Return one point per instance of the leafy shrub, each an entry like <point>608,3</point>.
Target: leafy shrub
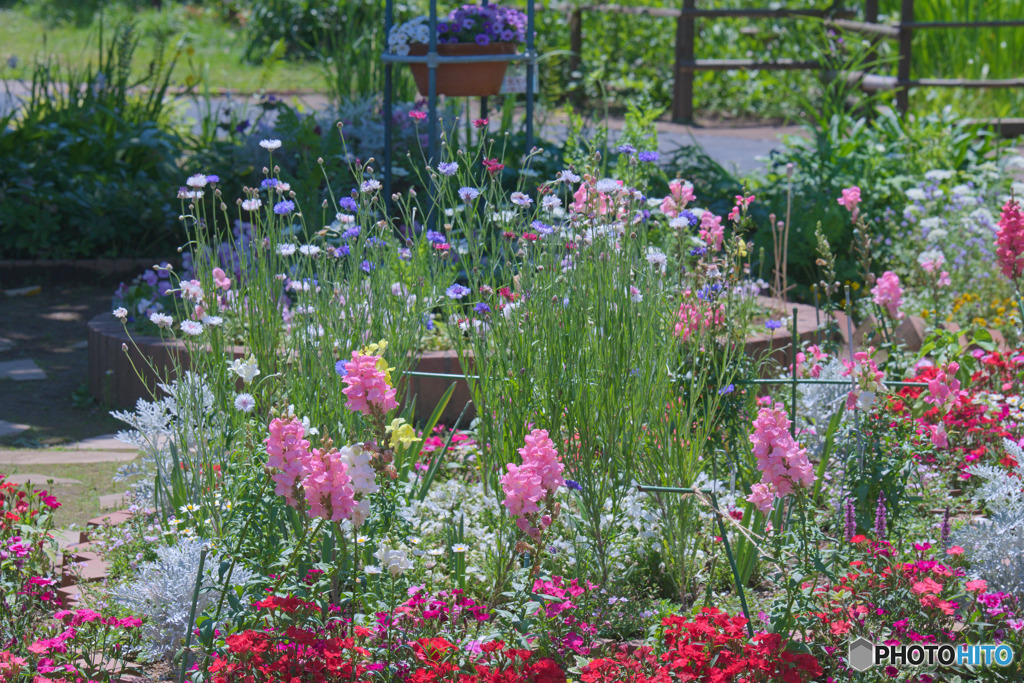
<point>85,163</point>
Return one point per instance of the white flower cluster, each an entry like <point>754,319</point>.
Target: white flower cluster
<point>415,31</point>
<point>363,479</point>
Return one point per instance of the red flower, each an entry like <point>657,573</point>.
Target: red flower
<point>493,166</point>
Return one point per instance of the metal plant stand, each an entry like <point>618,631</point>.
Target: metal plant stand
<point>432,59</point>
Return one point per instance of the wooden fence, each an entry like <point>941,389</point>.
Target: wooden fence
<point>687,64</point>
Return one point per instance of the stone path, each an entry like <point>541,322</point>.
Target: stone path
<point>21,370</point>
<point>104,448</point>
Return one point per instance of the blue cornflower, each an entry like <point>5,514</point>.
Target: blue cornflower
<point>773,324</point>
<point>457,291</point>
<point>434,237</point>
<point>698,251</point>
<point>284,208</point>
<point>727,390</point>
<point>367,266</point>
<point>574,485</point>
<point>213,178</point>
<point>648,157</point>
<point>348,204</point>
<point>689,217</point>
<point>542,228</point>
<point>350,233</point>
<point>447,168</point>
<point>709,292</point>
<point>339,368</point>
<point>482,308</point>
<point>428,322</point>
<point>626,149</point>
<point>268,182</point>
<point>376,242</point>
<point>343,250</point>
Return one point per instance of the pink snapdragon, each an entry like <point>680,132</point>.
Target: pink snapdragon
<point>887,292</point>
<point>817,356</point>
<point>867,378</point>
<point>680,193</point>
<point>288,453</point>
<point>1010,241</point>
<point>328,486</point>
<point>369,384</point>
<point>741,204</point>
<point>782,461</point>
<point>533,482</point>
<point>712,232</point>
<point>697,315</point>
<point>221,279</point>
<point>586,198</point>
<point>944,390</point>
<point>850,200</point>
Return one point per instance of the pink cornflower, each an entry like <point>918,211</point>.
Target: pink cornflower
<point>418,115</point>
<point>680,193</point>
<point>369,384</point>
<point>850,200</point>
<point>887,292</point>
<point>1010,241</point>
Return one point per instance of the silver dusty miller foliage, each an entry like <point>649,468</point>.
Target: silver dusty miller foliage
<point>162,591</point>
<point>995,546</point>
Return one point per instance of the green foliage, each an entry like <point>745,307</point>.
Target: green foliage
<point>86,162</point>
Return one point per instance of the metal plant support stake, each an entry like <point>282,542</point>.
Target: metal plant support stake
<point>433,60</point>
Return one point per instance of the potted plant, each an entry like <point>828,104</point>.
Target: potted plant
<point>471,30</point>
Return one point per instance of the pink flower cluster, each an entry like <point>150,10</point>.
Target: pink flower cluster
<point>1010,241</point>
<point>741,205</point>
<point>526,486</point>
<point>680,194</point>
<point>782,461</point>
<point>368,384</point>
<point>850,200</point>
<point>887,292</point>
<point>944,391</point>
<point>334,484</point>
<point>221,279</point>
<point>712,232</point>
<point>934,265</point>
<point>817,356</point>
<point>697,315</point>
<point>866,376</point>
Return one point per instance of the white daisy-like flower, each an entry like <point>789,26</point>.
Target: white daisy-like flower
<point>270,145</point>
<point>309,250</point>
<point>196,181</point>
<point>344,218</point>
<point>607,185</point>
<point>567,176</point>
<point>247,369</point>
<point>213,320</point>
<point>121,313</point>
<point>550,203</point>
<point>460,548</point>
<point>161,320</point>
<point>368,186</point>
<point>520,199</point>
<point>286,249</point>
<point>191,327</point>
<point>373,570</point>
<point>435,552</point>
<point>245,403</point>
<point>251,204</point>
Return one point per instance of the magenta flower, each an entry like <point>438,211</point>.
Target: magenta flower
<point>537,479</point>
<point>782,461</point>
<point>288,453</point>
<point>1010,241</point>
<point>369,386</point>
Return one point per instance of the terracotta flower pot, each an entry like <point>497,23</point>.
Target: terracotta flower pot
<point>472,79</point>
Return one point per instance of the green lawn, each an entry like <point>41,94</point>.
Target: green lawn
<point>211,49</point>
<point>79,502</point>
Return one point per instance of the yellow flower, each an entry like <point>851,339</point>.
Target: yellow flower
<point>855,286</point>
<point>980,321</point>
<point>741,247</point>
<point>401,433</point>
<point>376,349</point>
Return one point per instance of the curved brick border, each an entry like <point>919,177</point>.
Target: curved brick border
<point>113,380</point>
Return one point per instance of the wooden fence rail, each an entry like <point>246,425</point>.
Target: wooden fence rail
<point>687,64</point>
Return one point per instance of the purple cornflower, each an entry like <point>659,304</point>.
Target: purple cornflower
<point>626,149</point>
<point>213,178</point>
<point>457,291</point>
<point>773,324</point>
<point>350,233</point>
<point>574,485</point>
<point>339,368</point>
<point>698,251</point>
<point>447,168</point>
<point>880,518</point>
<point>366,266</point>
<point>268,182</point>
<point>434,237</point>
<point>648,157</point>
<point>284,208</point>
<point>348,204</point>
<point>728,389</point>
<point>482,308</point>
